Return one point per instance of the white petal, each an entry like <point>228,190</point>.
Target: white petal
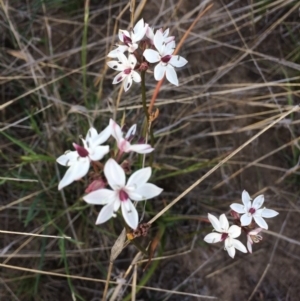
<point>258,201</point>
<point>124,145</point>
<point>151,56</point>
<point>231,251</point>
<point>127,83</point>
<point>261,222</point>
<point>158,40</point>
<point>215,222</point>
<point>123,33</point>
<point>246,219</point>
<point>249,245</point>
<point>246,200</point>
<point>145,192</point>
<point>116,52</point>
<point>119,78</point>
<point>68,158</point>
<point>75,172</point>
<point>115,130</point>
<point>224,222</point>
<point>171,75</point>
<point>269,213</point>
<point>131,132</point>
<point>114,174</point>
<point>140,148</point>
<point>139,30</point>
<point>100,197</point>
<point>140,177</point>
<point>90,136</point>
<point>234,231</point>
<point>116,65</point>
<point>239,246</point>
<point>237,208</point>
<point>132,61</point>
<point>99,152</point>
<point>159,71</point>
<point>103,136</point>
<point>105,214</point>
<point>177,61</point>
<point>130,214</point>
<point>212,238</point>
<point>136,76</point>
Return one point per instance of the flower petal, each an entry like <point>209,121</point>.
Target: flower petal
<point>159,71</point>
<point>145,192</point>
<point>105,214</point>
<point>246,219</point>
<point>100,197</point>
<point>239,208</point>
<point>229,247</point>
<point>151,56</point>
<point>140,148</point>
<point>90,136</point>
<point>212,238</point>
<point>234,231</point>
<point>130,214</point>
<point>239,246</point>
<point>177,61</point>
<point>215,222</point>
<point>261,222</point>
<point>116,52</point>
<point>139,31</point>
<point>171,75</point>
<point>158,40</point>
<point>258,201</point>
<point>75,172</point>
<point>127,83</point>
<point>114,174</point>
<point>246,200</point>
<point>68,158</point>
<point>136,76</point>
<point>269,213</point>
<point>139,178</point>
<point>116,131</point>
<point>99,152</point>
<point>224,223</point>
<point>119,78</point>
<point>249,245</point>
<point>103,136</point>
<point>131,132</point>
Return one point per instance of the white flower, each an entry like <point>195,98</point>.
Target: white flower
<point>227,234</point>
<point>136,189</point>
<point>166,39</point>
<point>251,210</point>
<point>79,160</point>
<point>164,56</point>
<point>253,237</point>
<point>130,39</point>
<point>127,74</point>
<point>124,144</point>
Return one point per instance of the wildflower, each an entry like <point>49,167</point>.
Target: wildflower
<point>124,144</point>
<point>127,74</point>
<point>253,237</point>
<point>136,189</point>
<point>79,160</point>
<point>164,55</point>
<point>166,39</point>
<point>227,234</point>
<point>130,39</point>
<point>251,210</point>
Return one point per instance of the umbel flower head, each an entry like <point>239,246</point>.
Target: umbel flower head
<point>251,210</point>
<point>79,160</point>
<point>136,189</point>
<point>226,234</point>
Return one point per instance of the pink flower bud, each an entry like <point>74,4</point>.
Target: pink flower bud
<point>95,185</point>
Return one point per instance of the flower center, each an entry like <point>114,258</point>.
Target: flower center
<point>252,211</point>
<point>126,40</point>
<point>82,152</point>
<point>224,236</point>
<point>166,58</point>
<point>127,71</point>
<point>123,195</point>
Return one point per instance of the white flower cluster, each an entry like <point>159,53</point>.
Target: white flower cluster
<point>121,193</point>
<point>156,48</point>
<point>245,222</point>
